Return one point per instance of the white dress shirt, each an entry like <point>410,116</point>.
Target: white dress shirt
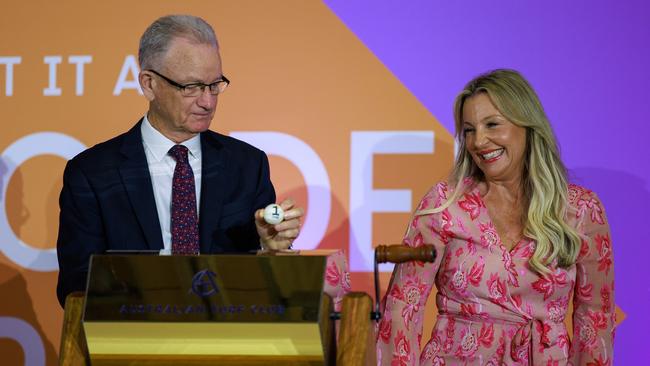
<point>161,168</point>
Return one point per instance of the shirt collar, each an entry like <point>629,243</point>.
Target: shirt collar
<point>159,145</point>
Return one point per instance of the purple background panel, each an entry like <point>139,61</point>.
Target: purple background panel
<point>588,60</point>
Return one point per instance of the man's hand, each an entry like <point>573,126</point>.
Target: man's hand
<point>280,236</point>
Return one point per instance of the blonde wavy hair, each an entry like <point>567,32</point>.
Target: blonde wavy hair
<point>544,178</point>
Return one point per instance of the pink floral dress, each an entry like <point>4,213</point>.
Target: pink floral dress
<point>337,278</point>
<point>493,309</point>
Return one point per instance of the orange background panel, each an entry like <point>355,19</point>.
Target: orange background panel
<point>295,68</point>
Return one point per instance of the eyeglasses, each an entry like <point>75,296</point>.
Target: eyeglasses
<point>196,89</point>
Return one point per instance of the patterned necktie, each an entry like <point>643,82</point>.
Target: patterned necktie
<point>185,225</point>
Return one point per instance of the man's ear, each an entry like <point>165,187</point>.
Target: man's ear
<point>146,83</point>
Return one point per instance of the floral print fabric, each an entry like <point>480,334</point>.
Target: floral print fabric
<point>493,309</point>
<point>337,278</point>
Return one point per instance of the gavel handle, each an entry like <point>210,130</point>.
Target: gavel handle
<point>398,254</point>
<point>403,253</point>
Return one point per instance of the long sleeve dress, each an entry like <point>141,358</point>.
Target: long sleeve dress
<point>493,309</point>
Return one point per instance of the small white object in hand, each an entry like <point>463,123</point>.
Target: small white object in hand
<point>273,214</point>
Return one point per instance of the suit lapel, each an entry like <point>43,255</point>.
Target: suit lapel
<point>134,171</point>
<point>213,179</point>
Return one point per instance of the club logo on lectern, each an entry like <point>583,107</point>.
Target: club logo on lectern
<point>204,284</point>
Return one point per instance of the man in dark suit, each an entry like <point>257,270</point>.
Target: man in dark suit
<point>169,183</point>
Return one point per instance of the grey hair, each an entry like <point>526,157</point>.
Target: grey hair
<point>155,41</point>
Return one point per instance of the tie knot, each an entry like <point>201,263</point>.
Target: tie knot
<point>179,153</point>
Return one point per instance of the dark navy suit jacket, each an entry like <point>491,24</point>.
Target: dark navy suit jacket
<point>107,202</point>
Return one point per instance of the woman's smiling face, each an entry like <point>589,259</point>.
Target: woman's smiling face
<point>497,146</point>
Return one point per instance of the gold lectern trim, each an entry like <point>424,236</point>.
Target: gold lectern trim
<point>139,338</point>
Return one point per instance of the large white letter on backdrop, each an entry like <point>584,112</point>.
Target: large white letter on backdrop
<point>363,199</point>
<point>319,198</point>
<point>129,68</point>
<point>23,333</point>
<point>27,147</point>
<point>52,90</point>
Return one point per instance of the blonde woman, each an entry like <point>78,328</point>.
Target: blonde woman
<point>515,241</point>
